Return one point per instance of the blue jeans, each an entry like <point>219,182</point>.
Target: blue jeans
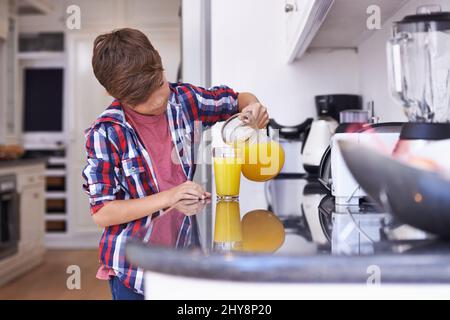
<point>120,292</point>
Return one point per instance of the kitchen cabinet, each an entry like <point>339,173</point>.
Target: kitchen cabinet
<point>331,24</point>
<point>106,15</point>
<point>31,189</point>
<point>32,206</point>
<point>303,20</point>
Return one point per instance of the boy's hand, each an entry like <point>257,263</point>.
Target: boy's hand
<point>191,207</point>
<point>187,191</point>
<point>259,112</point>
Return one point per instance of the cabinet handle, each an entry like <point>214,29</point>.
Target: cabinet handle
<point>289,7</point>
<point>36,195</point>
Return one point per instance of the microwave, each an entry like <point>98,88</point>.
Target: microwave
<point>43,111</point>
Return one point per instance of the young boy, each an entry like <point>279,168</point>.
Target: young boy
<point>140,150</point>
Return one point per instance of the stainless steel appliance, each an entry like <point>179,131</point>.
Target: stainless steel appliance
<point>9,216</point>
<point>419,73</point>
<point>318,137</point>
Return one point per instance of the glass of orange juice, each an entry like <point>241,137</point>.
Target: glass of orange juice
<point>227,171</point>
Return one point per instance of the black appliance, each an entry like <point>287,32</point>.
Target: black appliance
<point>331,105</point>
<point>43,100</point>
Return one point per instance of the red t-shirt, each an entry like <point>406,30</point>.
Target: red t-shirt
<point>155,134</point>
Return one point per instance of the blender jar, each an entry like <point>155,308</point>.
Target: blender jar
<point>419,65</point>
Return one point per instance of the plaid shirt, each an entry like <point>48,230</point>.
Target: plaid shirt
<point>119,167</point>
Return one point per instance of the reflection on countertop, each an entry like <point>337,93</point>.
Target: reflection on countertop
<point>321,242</point>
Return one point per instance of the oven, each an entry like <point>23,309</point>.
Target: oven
<point>9,216</point>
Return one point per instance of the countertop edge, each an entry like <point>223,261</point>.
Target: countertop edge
<point>22,162</point>
<point>410,268</point>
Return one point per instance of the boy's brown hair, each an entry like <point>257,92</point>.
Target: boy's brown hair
<point>127,65</point>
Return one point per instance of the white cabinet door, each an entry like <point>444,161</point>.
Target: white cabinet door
<point>86,100</point>
<point>4,10</point>
<point>303,20</point>
<point>32,211</point>
<point>295,10</point>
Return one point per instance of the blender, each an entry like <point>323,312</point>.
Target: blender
<point>419,77</point>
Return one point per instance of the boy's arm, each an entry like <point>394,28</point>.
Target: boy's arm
<point>124,211</point>
<point>219,103</point>
<point>102,186</point>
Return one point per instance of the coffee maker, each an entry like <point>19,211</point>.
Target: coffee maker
<point>318,137</point>
<point>419,77</point>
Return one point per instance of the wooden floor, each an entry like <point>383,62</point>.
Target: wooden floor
<point>48,280</point>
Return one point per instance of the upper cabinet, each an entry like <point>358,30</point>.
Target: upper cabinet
<point>33,7</point>
<point>4,17</point>
<point>333,24</point>
<point>303,20</point>
<point>104,15</point>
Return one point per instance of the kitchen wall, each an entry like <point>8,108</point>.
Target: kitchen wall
<point>373,63</point>
<point>249,54</point>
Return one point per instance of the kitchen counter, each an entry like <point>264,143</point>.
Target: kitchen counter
<point>21,162</point>
<point>321,243</point>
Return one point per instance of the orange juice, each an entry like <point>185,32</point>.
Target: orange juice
<point>263,160</point>
<point>227,174</point>
<point>227,227</point>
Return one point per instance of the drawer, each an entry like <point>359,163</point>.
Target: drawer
<point>27,178</point>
